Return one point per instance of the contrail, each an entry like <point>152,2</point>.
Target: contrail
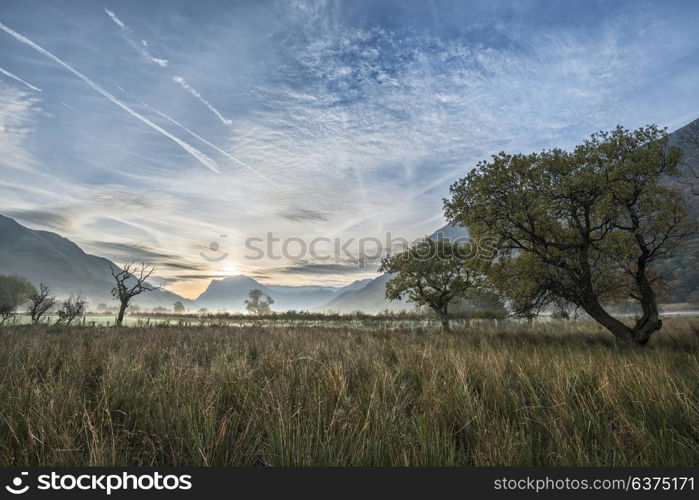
<point>116,20</point>
<point>196,94</point>
<point>15,77</point>
<point>205,160</point>
<point>214,146</point>
<point>140,48</point>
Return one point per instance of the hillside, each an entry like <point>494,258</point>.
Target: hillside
<point>43,256</point>
<point>681,271</point>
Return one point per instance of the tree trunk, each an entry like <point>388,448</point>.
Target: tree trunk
<point>622,332</point>
<point>122,310</point>
<point>444,317</point>
<point>650,322</point>
<point>640,333</point>
<point>445,323</point>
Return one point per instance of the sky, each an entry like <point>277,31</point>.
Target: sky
<point>215,138</point>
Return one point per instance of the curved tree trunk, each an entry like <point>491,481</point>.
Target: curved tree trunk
<point>640,333</point>
<point>650,322</point>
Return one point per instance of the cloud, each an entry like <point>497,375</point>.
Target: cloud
<point>313,268</point>
<point>203,159</point>
<point>198,276</point>
<point>17,126</point>
<point>362,121</point>
<point>179,80</point>
<point>133,251</point>
<point>140,47</point>
<point>179,266</point>
<point>42,218</point>
<point>15,77</point>
<point>302,214</point>
<point>194,134</point>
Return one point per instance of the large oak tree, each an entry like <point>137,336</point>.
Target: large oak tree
<point>583,227</point>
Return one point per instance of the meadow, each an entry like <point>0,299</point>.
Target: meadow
<point>489,393</point>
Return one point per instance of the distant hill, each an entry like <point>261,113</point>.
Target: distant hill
<point>682,270</point>
<point>230,293</point>
<point>371,297</point>
<point>61,264</point>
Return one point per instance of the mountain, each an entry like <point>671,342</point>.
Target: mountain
<point>682,269</point>
<point>43,256</point>
<point>371,297</point>
<point>230,293</point>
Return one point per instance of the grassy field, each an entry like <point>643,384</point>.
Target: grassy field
<point>506,394</point>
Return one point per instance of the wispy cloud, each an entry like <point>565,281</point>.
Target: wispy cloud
<point>197,136</point>
<point>140,47</point>
<point>204,159</point>
<point>15,77</point>
<point>17,126</point>
<point>44,218</point>
<point>302,214</point>
<point>181,81</point>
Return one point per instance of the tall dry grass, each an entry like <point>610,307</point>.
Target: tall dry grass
<point>540,394</point>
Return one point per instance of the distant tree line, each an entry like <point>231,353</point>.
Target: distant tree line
<point>16,292</point>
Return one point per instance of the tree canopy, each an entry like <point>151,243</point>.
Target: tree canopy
<point>434,273</point>
<point>14,291</point>
<point>256,304</point>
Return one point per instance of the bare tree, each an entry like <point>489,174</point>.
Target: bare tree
<point>40,302</point>
<point>71,308</point>
<point>130,281</point>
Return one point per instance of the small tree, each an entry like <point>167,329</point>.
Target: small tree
<point>14,291</point>
<point>130,281</point>
<point>255,305</point>
<point>40,302</point>
<point>178,307</point>
<point>72,308</point>
<point>434,273</point>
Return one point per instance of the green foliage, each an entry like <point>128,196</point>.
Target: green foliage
<point>585,227</point>
<point>178,307</point>
<point>434,273</point>
<point>255,304</point>
<point>14,291</point>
